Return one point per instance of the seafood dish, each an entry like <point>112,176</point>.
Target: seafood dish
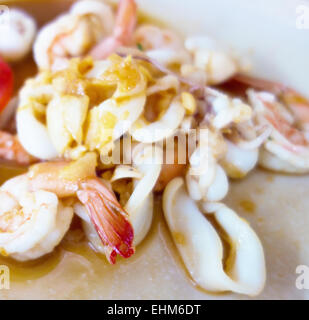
<point>122,120</point>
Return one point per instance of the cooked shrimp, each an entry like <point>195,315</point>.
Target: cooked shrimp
<point>78,179</point>
<point>286,112</point>
<point>151,37</point>
<point>291,100</point>
<point>123,31</point>
<point>12,150</point>
<point>287,148</point>
<point>32,222</point>
<point>72,34</point>
<point>138,199</point>
<point>163,45</point>
<point>17,36</point>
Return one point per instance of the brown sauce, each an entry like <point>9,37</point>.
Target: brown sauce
<point>248,206</point>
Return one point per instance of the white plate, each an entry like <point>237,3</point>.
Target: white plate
<point>266,31</point>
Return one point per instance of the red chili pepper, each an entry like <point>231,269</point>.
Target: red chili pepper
<point>6,84</point>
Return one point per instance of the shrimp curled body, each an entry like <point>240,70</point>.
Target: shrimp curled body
<point>62,180</point>
<point>32,223</point>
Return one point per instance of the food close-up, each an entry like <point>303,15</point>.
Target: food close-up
<point>139,160</point>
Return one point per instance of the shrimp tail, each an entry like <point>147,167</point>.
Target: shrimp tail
<point>109,218</point>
